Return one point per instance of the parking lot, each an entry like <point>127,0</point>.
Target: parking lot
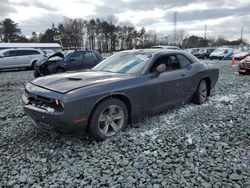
<point>188,146</point>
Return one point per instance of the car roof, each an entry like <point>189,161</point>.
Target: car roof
<point>20,49</point>
<point>166,47</point>
<point>155,51</point>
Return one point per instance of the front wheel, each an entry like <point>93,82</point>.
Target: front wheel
<point>108,118</point>
<point>36,74</point>
<point>34,65</point>
<point>201,93</point>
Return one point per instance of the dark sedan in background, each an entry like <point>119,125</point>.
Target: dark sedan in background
<point>68,61</point>
<point>124,87</point>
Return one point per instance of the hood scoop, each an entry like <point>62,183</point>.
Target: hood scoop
<point>74,79</point>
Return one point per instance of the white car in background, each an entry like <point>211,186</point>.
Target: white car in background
<point>222,53</point>
<point>20,58</point>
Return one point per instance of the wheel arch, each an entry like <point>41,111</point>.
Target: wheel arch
<point>208,81</point>
<point>60,67</point>
<point>32,62</point>
<point>120,96</point>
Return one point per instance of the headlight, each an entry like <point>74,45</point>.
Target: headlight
<point>58,103</point>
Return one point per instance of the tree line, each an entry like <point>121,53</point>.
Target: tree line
<point>106,36</point>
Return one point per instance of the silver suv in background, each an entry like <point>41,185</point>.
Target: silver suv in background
<point>20,58</point>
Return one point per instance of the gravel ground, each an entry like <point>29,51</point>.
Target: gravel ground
<point>189,146</point>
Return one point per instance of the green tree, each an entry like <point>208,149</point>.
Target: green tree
<point>10,31</point>
<point>49,34</point>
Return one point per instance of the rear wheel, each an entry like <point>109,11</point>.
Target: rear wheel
<point>108,118</point>
<point>201,92</point>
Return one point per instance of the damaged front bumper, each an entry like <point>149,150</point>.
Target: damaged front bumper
<point>49,117</point>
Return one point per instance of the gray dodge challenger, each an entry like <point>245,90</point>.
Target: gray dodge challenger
<point>124,87</point>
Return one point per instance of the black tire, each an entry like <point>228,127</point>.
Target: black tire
<point>60,70</point>
<point>101,125</point>
<point>201,93</point>
<point>33,65</point>
<point>36,74</point>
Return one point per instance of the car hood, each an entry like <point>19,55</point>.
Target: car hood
<point>65,82</point>
<point>58,54</point>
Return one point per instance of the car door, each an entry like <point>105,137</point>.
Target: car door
<point>172,84</point>
<point>75,61</point>
<point>30,56</point>
<point>23,59</point>
<point>89,60</point>
<point>9,59</point>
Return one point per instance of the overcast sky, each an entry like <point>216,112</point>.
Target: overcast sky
<point>223,17</point>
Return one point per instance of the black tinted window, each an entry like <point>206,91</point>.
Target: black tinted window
<point>26,52</point>
<point>10,53</point>
<point>89,57</point>
<point>32,52</point>
<point>169,61</point>
<point>98,56</point>
<point>76,56</point>
<point>183,61</point>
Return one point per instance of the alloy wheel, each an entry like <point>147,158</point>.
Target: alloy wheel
<point>203,91</point>
<point>111,120</point>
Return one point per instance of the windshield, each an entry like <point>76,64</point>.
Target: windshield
<point>124,62</point>
<point>66,54</point>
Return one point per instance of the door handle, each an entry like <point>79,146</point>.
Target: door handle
<point>183,74</point>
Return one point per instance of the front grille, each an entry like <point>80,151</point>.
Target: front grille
<point>42,102</point>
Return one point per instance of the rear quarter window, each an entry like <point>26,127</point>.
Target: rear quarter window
<point>184,61</point>
<point>98,56</point>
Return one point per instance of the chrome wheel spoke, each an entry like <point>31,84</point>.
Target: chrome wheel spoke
<point>106,128</point>
<point>115,127</point>
<point>102,118</point>
<point>203,91</point>
<point>111,109</point>
<point>118,116</point>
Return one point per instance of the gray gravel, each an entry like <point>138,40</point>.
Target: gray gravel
<point>189,146</point>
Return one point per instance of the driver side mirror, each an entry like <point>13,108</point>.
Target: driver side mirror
<point>161,68</point>
<point>1,56</point>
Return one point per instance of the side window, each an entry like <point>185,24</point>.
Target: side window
<point>20,52</point>
<point>32,52</point>
<point>76,56</point>
<point>170,62</point>
<point>98,56</point>
<point>88,57</point>
<point>183,61</point>
<point>10,53</point>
